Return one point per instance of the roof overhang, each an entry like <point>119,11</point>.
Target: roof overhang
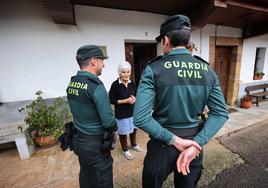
<point>61,11</point>
<point>251,16</point>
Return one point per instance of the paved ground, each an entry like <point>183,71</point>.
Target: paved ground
<point>53,168</point>
<point>251,144</point>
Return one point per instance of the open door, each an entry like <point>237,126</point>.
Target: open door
<point>138,55</point>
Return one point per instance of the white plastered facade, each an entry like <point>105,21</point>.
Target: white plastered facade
<point>37,54</point>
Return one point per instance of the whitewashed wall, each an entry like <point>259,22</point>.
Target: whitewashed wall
<point>248,57</point>
<point>201,37</point>
<point>37,54</point>
<point>113,28</point>
<point>248,61</point>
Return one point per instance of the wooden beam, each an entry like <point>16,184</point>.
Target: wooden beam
<point>247,5</point>
<point>255,30</point>
<point>220,3</point>
<point>200,13</point>
<point>61,11</point>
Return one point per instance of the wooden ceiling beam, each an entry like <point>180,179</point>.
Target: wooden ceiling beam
<point>220,3</point>
<point>200,13</point>
<point>61,11</point>
<point>255,30</point>
<point>247,6</point>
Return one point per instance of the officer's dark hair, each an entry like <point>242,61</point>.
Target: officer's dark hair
<point>179,37</point>
<point>83,63</point>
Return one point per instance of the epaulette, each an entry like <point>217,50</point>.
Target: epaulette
<point>199,58</point>
<point>72,77</point>
<point>96,80</point>
<point>154,59</point>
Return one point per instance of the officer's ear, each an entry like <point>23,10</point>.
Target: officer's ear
<point>165,41</point>
<point>93,61</point>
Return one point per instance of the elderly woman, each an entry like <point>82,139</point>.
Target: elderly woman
<point>122,96</point>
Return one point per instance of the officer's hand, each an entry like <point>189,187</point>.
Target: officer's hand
<point>185,158</point>
<point>109,139</point>
<point>182,144</point>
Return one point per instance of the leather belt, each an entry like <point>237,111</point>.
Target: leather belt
<point>88,136</point>
<point>184,132</point>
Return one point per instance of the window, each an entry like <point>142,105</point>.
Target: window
<point>259,63</point>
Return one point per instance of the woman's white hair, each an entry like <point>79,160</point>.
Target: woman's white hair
<point>123,65</point>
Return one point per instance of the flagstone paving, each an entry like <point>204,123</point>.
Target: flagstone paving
<point>53,168</point>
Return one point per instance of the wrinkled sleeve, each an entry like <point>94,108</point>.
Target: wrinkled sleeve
<point>143,107</point>
<point>103,107</point>
<point>217,116</point>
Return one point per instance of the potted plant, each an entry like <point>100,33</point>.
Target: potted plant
<point>246,102</point>
<point>46,121</point>
<point>258,75</point>
<point>191,47</point>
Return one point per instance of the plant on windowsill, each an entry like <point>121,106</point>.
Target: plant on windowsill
<point>258,75</point>
<point>246,102</point>
<point>46,121</point>
<point>191,47</point>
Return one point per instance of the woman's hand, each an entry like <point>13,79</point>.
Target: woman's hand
<point>131,99</point>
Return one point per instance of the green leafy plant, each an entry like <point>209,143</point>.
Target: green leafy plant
<point>191,47</point>
<point>46,119</point>
<point>259,73</point>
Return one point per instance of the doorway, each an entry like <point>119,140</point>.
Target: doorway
<point>138,55</point>
<point>222,67</point>
<point>234,65</point>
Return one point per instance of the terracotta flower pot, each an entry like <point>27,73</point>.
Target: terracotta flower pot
<point>257,77</point>
<point>45,141</point>
<point>245,104</point>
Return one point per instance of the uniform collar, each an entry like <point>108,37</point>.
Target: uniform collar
<point>86,73</point>
<point>179,51</point>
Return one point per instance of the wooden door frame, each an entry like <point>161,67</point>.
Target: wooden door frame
<point>131,56</point>
<point>235,63</point>
<point>130,46</point>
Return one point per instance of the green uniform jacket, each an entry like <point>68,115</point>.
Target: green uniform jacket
<point>177,87</point>
<point>89,104</point>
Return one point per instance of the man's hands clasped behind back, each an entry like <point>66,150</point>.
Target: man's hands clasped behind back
<point>185,158</point>
<point>189,150</point>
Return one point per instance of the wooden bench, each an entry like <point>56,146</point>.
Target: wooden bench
<point>257,91</point>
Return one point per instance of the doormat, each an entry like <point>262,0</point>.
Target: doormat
<point>231,110</point>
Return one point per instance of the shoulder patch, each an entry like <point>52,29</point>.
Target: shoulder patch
<point>199,58</point>
<point>155,59</point>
